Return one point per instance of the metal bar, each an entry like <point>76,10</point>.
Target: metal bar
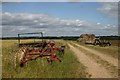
<point>18,39</point>
<point>29,33</point>
<point>42,36</point>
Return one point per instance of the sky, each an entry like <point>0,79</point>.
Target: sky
<point>60,18</point>
<point>60,0</point>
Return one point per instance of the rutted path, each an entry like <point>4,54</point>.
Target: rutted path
<point>92,67</point>
<point>103,56</point>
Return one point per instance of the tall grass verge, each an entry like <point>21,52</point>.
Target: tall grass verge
<point>68,68</point>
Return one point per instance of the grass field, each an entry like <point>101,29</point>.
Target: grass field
<point>115,42</point>
<point>68,68</point>
<point>0,59</point>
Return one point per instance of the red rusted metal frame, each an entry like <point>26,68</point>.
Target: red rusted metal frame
<point>52,57</point>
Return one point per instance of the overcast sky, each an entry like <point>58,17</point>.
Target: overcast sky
<point>60,18</point>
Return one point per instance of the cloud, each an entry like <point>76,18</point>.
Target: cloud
<point>38,20</point>
<point>110,9</point>
<point>98,23</point>
<point>14,23</point>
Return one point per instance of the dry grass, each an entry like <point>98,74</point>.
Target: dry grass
<point>68,68</point>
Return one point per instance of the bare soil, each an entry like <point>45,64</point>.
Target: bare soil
<point>93,68</point>
<point>102,56</point>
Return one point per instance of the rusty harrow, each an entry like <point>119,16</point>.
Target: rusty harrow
<point>43,49</point>
<point>46,49</point>
<point>32,51</point>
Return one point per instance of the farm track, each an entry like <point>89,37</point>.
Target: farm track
<point>102,56</point>
<point>93,68</point>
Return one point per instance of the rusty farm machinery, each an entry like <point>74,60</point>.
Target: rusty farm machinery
<point>40,49</point>
<point>101,43</point>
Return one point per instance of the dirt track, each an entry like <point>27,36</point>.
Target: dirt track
<point>102,56</point>
<point>93,68</point>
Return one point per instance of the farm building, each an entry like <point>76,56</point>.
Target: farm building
<point>87,38</point>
